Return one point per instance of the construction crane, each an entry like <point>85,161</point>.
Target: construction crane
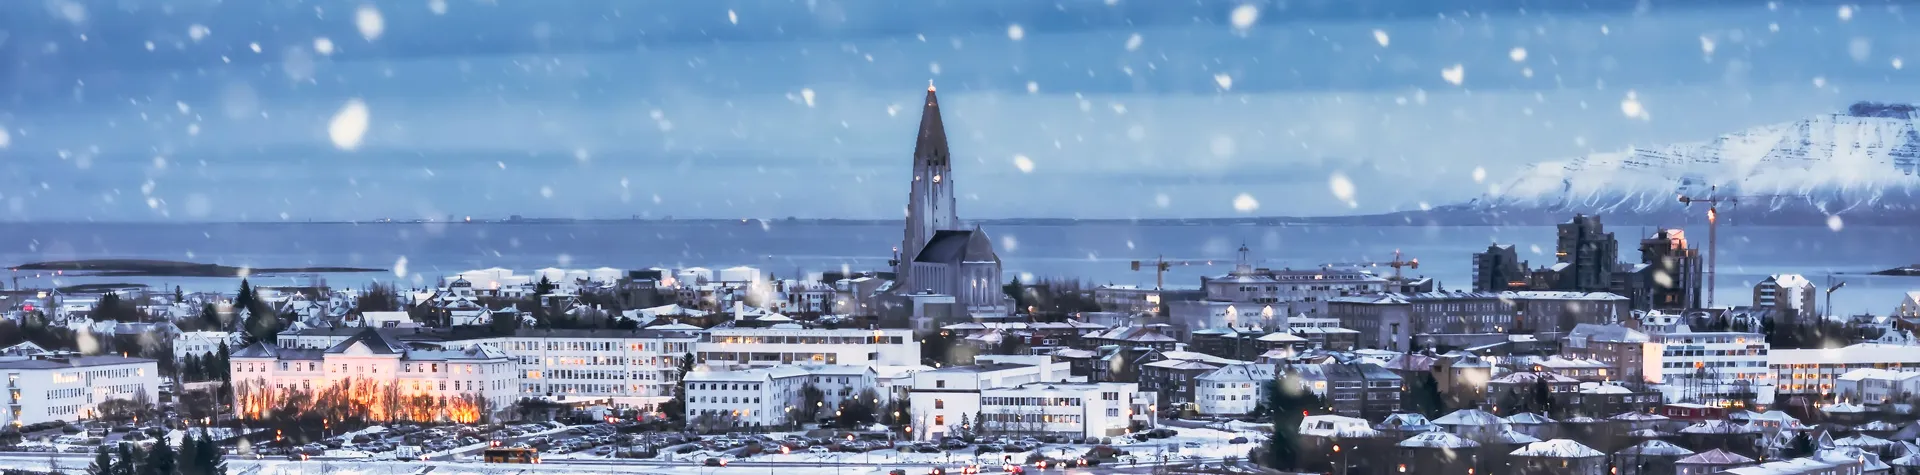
<point>1161,265</point>
<point>1397,263</point>
<point>1713,200</point>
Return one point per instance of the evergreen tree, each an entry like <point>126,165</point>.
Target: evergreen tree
<point>211,315</point>
<point>159,460</point>
<point>1422,395</point>
<point>124,463</point>
<point>178,296</point>
<point>1291,401</point>
<point>676,409</point>
<point>102,462</point>
<point>219,366</point>
<point>243,299</point>
<point>1542,397</point>
<point>187,460</point>
<point>212,459</point>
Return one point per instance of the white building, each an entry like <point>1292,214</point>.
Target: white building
<point>200,343</point>
<point>71,388</point>
<point>1232,390</point>
<point>1715,367</point>
<point>746,398</point>
<point>630,368</point>
<point>940,397</point>
<point>1251,296</point>
<point>1815,371</point>
<point>1791,294</point>
<point>385,319</point>
<point>477,381</point>
<point>1057,408</point>
<point>1877,386</point>
<point>776,346</point>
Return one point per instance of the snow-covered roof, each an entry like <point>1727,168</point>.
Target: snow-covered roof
<point>1438,440</point>
<point>1656,448</point>
<point>1529,418</point>
<point>1334,425</point>
<point>1843,407</point>
<point>1862,353</point>
<point>1557,448</point>
<point>1715,457</point>
<point>1405,420</point>
<point>1513,437</point>
<point>1469,417</point>
<point>1638,417</point>
<point>1716,427</point>
<point>1862,440</point>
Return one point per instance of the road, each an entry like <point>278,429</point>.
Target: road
<point>274,466</point>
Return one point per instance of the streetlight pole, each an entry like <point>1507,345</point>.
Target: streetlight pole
<point>1831,286</point>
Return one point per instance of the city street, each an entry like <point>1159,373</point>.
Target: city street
<point>72,463</point>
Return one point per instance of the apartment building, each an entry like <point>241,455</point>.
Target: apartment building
<point>776,346</point>
<point>200,343</point>
<point>70,388</point>
<point>1384,321</point>
<point>1877,386</point>
<point>1633,355</point>
<point>1816,371</point>
<point>1233,390</point>
<point>1716,368</point>
<point>1363,390</point>
<point>748,397</point>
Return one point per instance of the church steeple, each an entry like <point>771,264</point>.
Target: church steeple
<point>930,200</point>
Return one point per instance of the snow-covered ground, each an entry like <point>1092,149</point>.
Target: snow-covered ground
<point>1190,443</point>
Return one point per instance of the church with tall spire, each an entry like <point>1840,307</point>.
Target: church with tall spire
<point>939,253</point>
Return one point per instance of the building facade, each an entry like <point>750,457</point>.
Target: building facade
<point>47,388</point>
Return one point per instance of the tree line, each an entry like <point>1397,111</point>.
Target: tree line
<point>195,457</point>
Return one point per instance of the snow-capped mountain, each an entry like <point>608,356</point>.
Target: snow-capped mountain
<point>1864,162</point>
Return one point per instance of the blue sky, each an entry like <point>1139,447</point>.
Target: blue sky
<point>807,108</point>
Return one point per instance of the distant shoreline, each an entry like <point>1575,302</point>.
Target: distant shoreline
<point>160,268</point>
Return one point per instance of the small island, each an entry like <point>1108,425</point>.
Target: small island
<point>1907,271</point>
<point>160,268</point>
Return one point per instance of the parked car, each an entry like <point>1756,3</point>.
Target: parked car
<point>715,462</point>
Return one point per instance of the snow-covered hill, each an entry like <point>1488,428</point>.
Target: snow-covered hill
<point>1863,162</point>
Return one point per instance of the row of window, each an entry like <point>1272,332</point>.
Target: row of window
<point>1022,401</point>
<point>723,400</point>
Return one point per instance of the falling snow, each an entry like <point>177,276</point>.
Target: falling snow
<point>806,95</point>
<point>1244,16</point>
<point>6,139</point>
<point>1342,187</point>
<point>733,17</point>
<point>1630,106</point>
<point>1846,12</point>
<point>1834,223</point>
<point>1224,80</point>
<point>1034,88</point>
<point>1380,36</point>
<point>349,125</point>
<point>1706,45</point>
<point>198,32</point>
<point>1016,32</point>
<point>400,267</point>
<point>323,46</point>
<point>1245,203</point>
<point>1516,54</point>
<point>1897,64</point>
<point>1134,41</point>
<point>369,21</point>
<point>438,7</point>
<point>1023,163</point>
<point>1455,74</point>
<point>1479,174</point>
<point>1860,49</point>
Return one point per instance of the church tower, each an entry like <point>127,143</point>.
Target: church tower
<point>930,201</point>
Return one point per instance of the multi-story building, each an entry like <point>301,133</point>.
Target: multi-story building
<point>1877,386</point>
<point>776,346</point>
<point>1461,312</point>
<point>1790,295</point>
<point>1633,355</point>
<point>1674,271</point>
<point>757,397</point>
<point>1385,321</point>
<point>1816,371</point>
<point>1555,312</point>
<point>1363,390</point>
<point>476,380</point>
<point>1076,409</point>
<point>1174,375</point>
<point>1717,368</point>
<point>1135,300</point>
<point>1251,296</point>
<point>68,388</point>
<point>631,368</point>
<point>1233,390</point>
<point>941,398</point>
<point>1586,254</point>
<point>1499,270</point>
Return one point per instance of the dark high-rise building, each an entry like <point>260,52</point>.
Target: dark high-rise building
<point>1586,255</point>
<point>1499,269</point>
<point>1674,270</point>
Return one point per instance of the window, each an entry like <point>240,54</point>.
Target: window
<point>939,404</point>
<point>939,420</point>
<point>941,383</point>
